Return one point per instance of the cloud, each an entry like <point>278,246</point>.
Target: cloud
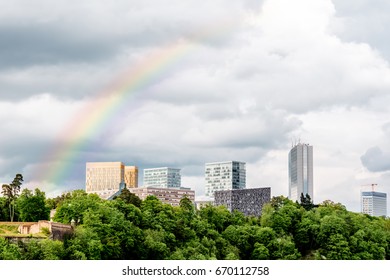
<point>253,75</point>
<point>162,132</point>
<point>363,21</point>
<point>75,55</point>
<point>376,160</point>
<point>30,127</point>
<point>53,33</point>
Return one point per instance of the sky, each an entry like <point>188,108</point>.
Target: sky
<point>181,83</point>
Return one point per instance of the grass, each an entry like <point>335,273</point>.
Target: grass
<point>8,230</point>
<point>12,231</point>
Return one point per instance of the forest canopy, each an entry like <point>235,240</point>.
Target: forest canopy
<point>127,228</point>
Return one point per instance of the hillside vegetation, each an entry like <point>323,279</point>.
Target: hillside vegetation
<point>127,228</point>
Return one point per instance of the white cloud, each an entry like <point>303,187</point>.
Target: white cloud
<point>285,69</point>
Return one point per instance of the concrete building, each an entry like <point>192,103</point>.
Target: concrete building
<point>374,203</point>
<point>228,175</point>
<point>170,196</point>
<point>162,177</point>
<point>300,171</point>
<point>131,176</point>
<point>248,201</point>
<point>106,178</point>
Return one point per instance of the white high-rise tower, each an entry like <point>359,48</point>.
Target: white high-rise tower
<point>300,171</point>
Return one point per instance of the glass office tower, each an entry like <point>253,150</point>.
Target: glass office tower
<point>300,171</point>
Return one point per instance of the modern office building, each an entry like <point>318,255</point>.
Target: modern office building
<point>248,201</point>
<point>374,203</point>
<point>170,196</point>
<point>107,178</point>
<point>228,175</point>
<point>162,177</point>
<point>300,171</point>
<point>104,178</point>
<point>131,176</point>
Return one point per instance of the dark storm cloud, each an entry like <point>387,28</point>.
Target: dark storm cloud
<point>58,33</point>
<point>73,51</point>
<point>28,45</point>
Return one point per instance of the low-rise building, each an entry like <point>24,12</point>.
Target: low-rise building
<point>170,196</point>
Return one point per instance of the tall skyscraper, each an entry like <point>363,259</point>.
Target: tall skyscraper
<point>300,171</point>
<point>162,177</point>
<point>227,175</point>
<point>131,176</point>
<point>374,203</point>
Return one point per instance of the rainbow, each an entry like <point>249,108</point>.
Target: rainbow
<point>97,114</point>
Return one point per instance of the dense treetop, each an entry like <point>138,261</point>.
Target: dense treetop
<point>127,228</point>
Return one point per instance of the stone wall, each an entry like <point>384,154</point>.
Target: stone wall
<point>57,230</point>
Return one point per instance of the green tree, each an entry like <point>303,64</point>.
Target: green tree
<point>157,215</point>
<point>305,202</point>
<point>53,203</point>
<point>260,252</point>
<point>9,251</point>
<point>129,197</point>
<point>306,234</point>
<point>187,208</point>
<point>131,212</point>
<point>11,193</point>
<point>331,225</point>
<point>119,237</point>
<point>75,205</point>
<point>53,249</point>
<point>155,245</point>
<point>32,206</point>
<point>242,238</point>
<point>337,248</point>
<point>85,244</point>
<point>218,217</point>
<point>284,249</point>
<point>282,215</point>
<point>3,209</point>
<point>265,236</point>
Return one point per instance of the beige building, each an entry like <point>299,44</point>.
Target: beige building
<point>170,196</point>
<point>131,177</point>
<point>104,178</point>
